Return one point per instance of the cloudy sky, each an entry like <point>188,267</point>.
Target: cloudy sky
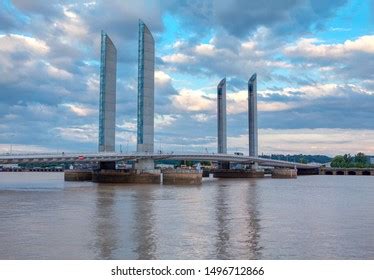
<point>314,61</point>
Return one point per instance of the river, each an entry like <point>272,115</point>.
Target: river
<point>311,217</point>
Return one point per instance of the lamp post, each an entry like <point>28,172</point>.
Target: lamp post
<point>11,144</point>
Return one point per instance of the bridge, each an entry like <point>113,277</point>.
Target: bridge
<point>111,157</point>
<point>346,171</point>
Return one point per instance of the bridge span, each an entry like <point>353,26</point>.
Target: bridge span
<point>110,157</point>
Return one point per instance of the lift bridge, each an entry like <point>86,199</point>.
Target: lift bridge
<point>116,157</point>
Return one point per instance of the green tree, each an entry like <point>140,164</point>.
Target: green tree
<point>338,161</point>
<point>347,161</point>
<point>361,161</point>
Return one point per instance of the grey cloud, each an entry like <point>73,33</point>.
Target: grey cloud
<point>7,22</point>
<point>120,20</point>
<point>40,7</point>
<point>242,17</point>
<point>352,110</point>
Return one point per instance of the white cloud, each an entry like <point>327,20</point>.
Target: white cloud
<point>317,141</point>
<point>14,43</point>
<point>163,121</point>
<point>237,103</point>
<point>58,73</point>
<point>179,44</point>
<point>93,84</point>
<point>330,141</point>
<point>192,100</point>
<point>85,133</point>
<point>310,47</point>
<point>72,25</point>
<point>128,125</point>
<point>24,149</point>
<point>177,58</point>
<point>80,110</point>
<point>161,78</point>
<point>205,49</point>
<point>201,117</point>
<point>308,92</point>
<point>248,45</point>
<point>276,106</point>
<point>125,138</point>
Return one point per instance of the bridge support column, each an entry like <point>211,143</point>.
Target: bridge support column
<point>145,164</point>
<point>254,166</point>
<point>284,173</point>
<point>182,177</point>
<point>238,173</point>
<point>125,177</point>
<point>78,175</point>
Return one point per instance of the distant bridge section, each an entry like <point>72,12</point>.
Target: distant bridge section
<point>346,171</point>
<point>110,157</point>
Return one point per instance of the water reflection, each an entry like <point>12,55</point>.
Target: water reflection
<point>144,233</point>
<point>106,223</point>
<point>237,236</point>
<point>222,217</point>
<point>253,221</point>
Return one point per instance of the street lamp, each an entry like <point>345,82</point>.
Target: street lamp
<point>11,144</point>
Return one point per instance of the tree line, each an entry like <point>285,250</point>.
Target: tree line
<point>347,161</point>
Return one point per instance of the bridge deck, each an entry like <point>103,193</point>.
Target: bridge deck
<point>99,157</point>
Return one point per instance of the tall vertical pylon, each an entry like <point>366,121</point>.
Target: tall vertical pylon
<point>146,75</point>
<point>252,116</point>
<point>107,104</point>
<point>221,117</point>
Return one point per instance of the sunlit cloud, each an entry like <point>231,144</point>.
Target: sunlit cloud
<point>312,47</point>
<point>80,110</point>
<point>308,77</point>
<point>192,100</point>
<point>15,42</point>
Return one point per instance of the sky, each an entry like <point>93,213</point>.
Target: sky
<point>314,61</point>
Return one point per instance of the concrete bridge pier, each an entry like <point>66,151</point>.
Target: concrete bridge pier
<point>238,173</point>
<point>78,175</point>
<point>182,177</point>
<point>284,173</point>
<point>145,164</point>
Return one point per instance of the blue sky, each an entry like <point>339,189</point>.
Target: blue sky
<point>314,61</point>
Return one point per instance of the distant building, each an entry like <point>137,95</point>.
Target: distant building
<point>107,107</point>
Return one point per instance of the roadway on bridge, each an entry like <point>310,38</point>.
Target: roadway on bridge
<point>101,157</point>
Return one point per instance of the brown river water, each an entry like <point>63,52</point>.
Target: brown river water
<point>311,217</point>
